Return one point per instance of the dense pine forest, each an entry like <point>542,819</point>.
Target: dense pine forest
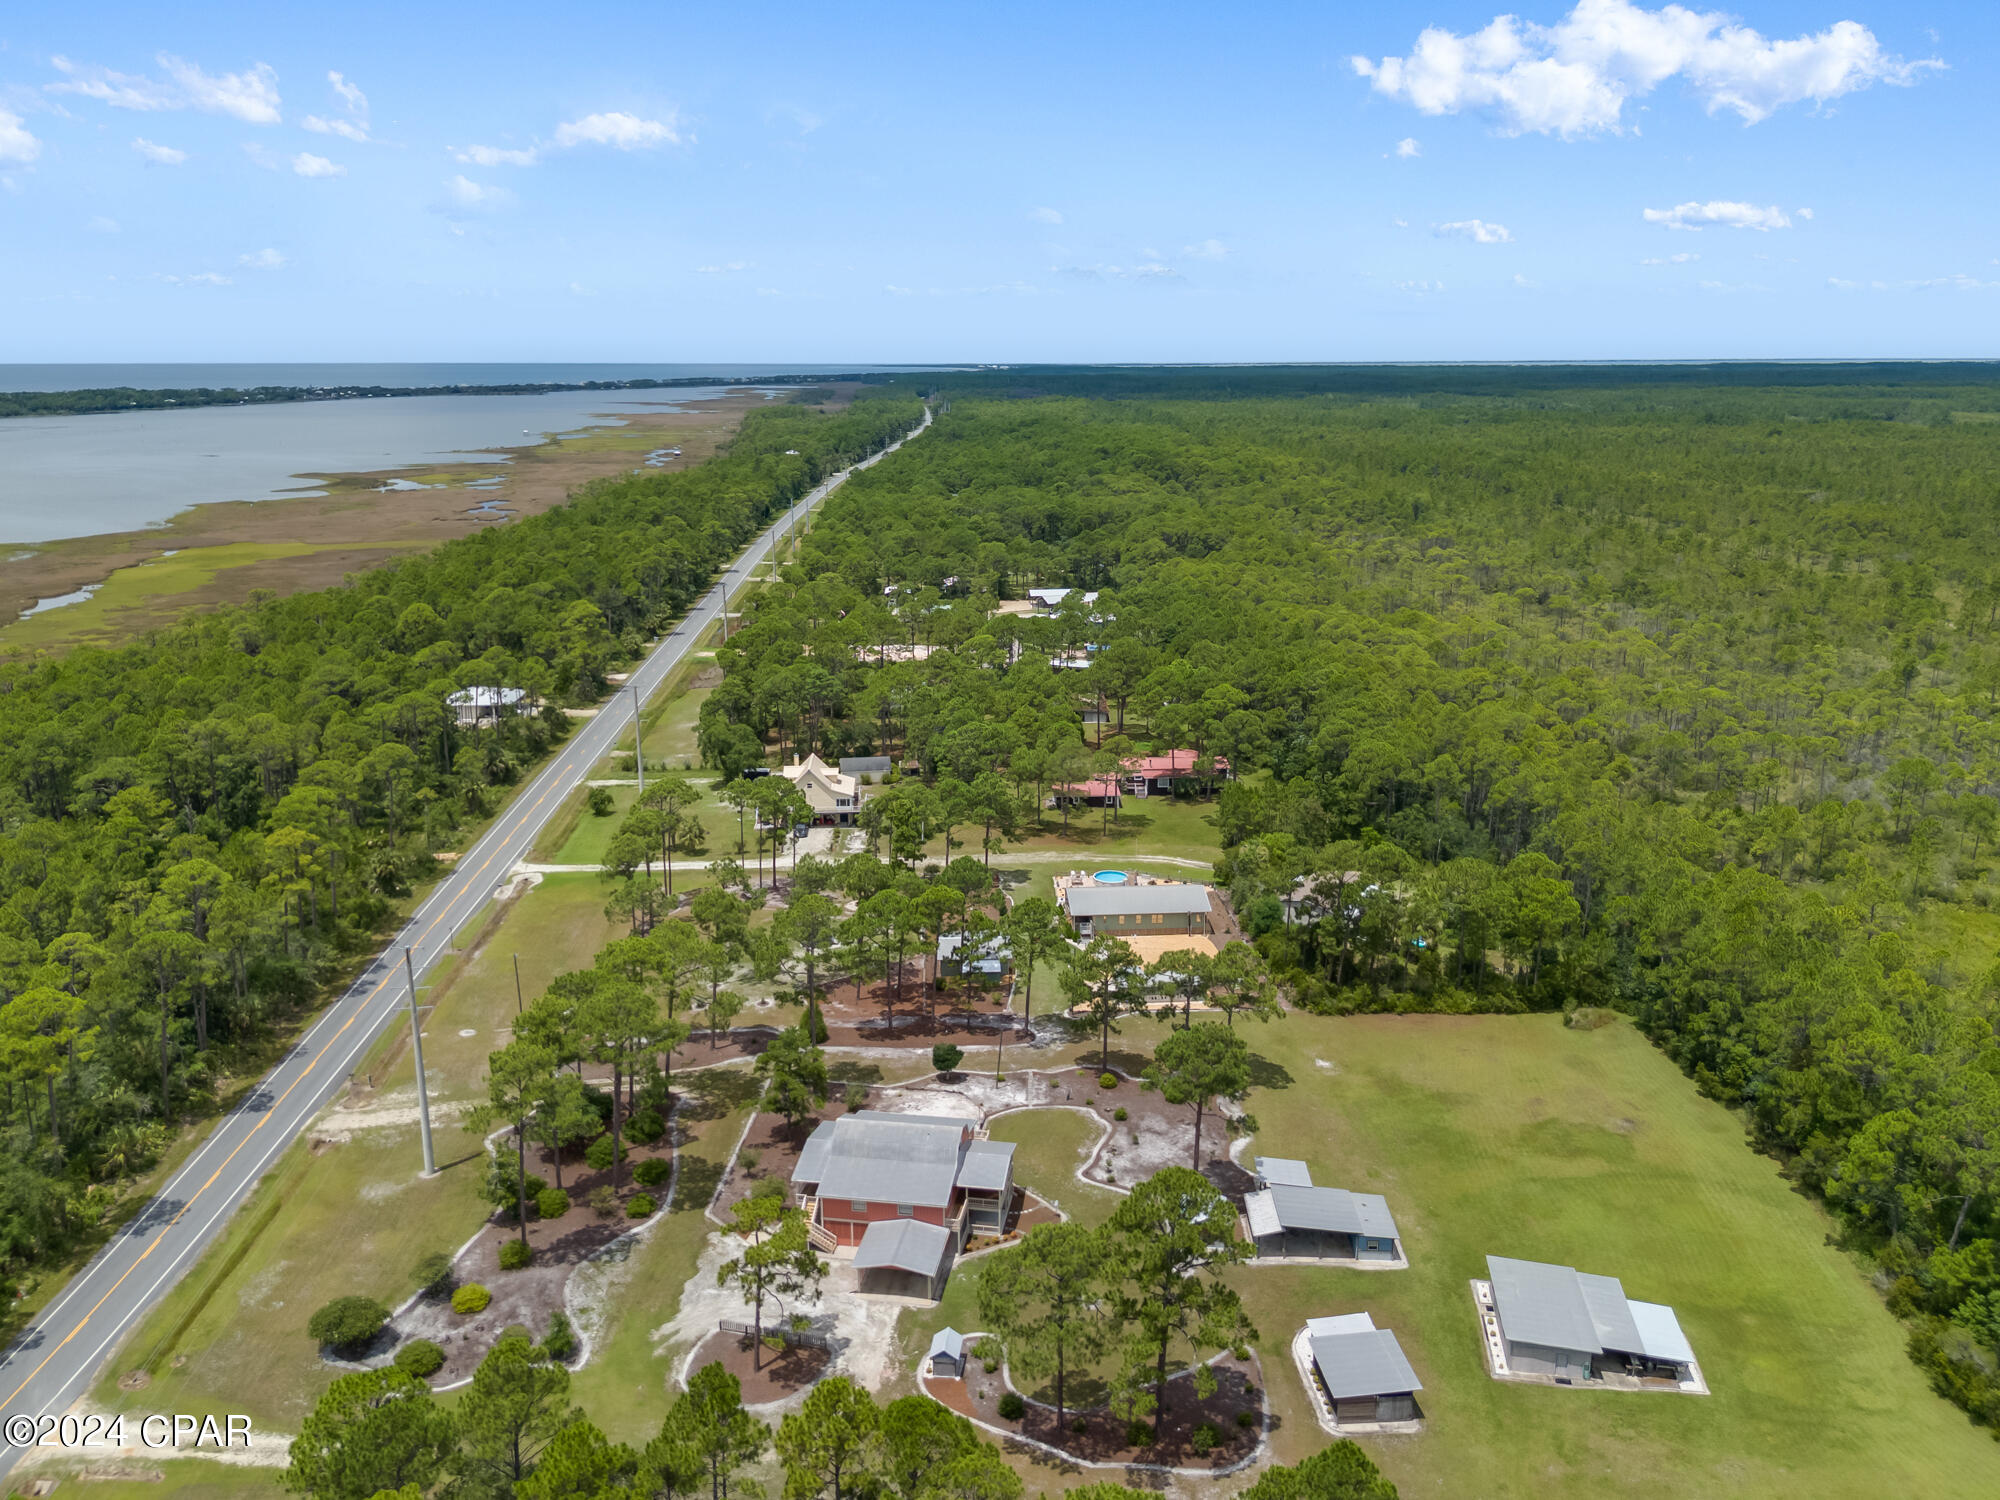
<point>197,831</point>
<point>1634,692</point>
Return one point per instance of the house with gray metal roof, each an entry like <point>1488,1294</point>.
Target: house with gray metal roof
<point>1360,1376</point>
<point>1137,908</point>
<point>1570,1327</point>
<point>876,1167</point>
<point>1320,1223</point>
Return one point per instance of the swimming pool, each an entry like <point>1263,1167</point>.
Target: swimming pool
<point>1111,877</point>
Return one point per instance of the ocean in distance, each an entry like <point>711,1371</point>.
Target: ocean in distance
<point>216,377</point>
<point>71,476</point>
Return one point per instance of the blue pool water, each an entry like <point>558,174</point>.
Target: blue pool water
<point>1111,877</point>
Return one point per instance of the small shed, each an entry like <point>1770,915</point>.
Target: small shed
<point>947,1354</point>
<point>1362,1372</point>
<point>1321,1223</point>
<point>990,959</point>
<point>1283,1171</point>
<point>904,1258</point>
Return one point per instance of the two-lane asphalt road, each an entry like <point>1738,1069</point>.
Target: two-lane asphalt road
<point>53,1362</point>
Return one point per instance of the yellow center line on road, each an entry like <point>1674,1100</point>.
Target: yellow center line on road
<point>265,1119</point>
<point>304,1074</point>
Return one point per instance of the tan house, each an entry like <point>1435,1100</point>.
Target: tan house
<point>832,795</point>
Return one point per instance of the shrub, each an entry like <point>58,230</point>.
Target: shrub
<point>1079,1424</point>
<point>470,1299</point>
<point>641,1205</point>
<point>946,1058</point>
<point>604,1202</point>
<point>1012,1407</point>
<point>1204,1437</point>
<point>645,1127</point>
<point>552,1203</point>
<point>421,1358</point>
<point>1589,1018</point>
<point>652,1171</point>
<point>560,1345</point>
<point>347,1324</point>
<point>1119,1113</point>
<point>856,1097</point>
<point>600,1102</point>
<point>1107,1080</point>
<point>516,1256</point>
<point>432,1274</point>
<point>1246,1418</point>
<point>1241,1351</point>
<point>600,802</point>
<point>749,1160</point>
<point>1138,1434</point>
<point>599,1153</point>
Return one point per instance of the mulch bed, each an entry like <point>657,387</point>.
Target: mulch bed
<point>529,1296</point>
<point>771,1378</point>
<point>777,1146</point>
<point>1103,1439</point>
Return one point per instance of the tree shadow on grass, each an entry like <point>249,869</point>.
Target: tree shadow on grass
<point>1265,1074</point>
<point>850,1070</point>
<point>699,1179</point>
<point>716,1092</point>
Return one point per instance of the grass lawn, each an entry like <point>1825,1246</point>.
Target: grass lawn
<point>1145,825</point>
<point>670,730</point>
<point>180,1479</point>
<point>575,836</point>
<point>624,1386</point>
<point>355,1217</point>
<point>1514,1136</point>
<point>1050,1144</point>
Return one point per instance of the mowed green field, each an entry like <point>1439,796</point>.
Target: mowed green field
<point>1515,1136</point>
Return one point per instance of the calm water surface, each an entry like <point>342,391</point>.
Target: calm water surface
<point>119,471</point>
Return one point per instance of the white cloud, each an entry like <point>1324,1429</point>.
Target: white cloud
<point>350,95</point>
<point>251,96</point>
<point>578,289</point>
<point>726,267</point>
<point>16,144</point>
<point>261,260</point>
<point>1206,250</point>
<point>1958,283</point>
<point>466,193</point>
<point>1146,271</point>
<point>769,291</point>
<point>355,126</point>
<point>1805,213</point>
<point>1408,147</point>
<point>200,278</point>
<point>347,128</point>
<point>1419,288</point>
<point>1575,77</point>
<point>625,132</point>
<point>1681,259</point>
<point>308,165</point>
<point>496,156</point>
<point>103,225</point>
<point>1045,215</point>
<point>1845,286</point>
<point>1524,283</point>
<point>1477,230</point>
<point>1731,286</point>
<point>899,291</point>
<point>166,156</point>
<point>1694,216</point>
<point>1400,223</point>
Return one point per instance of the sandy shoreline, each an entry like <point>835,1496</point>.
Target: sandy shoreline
<point>219,553</point>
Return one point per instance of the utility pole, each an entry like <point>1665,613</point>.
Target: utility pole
<point>638,735</point>
<point>518,1007</point>
<point>423,1089</point>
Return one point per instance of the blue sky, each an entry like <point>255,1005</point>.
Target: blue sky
<point>1599,179</point>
